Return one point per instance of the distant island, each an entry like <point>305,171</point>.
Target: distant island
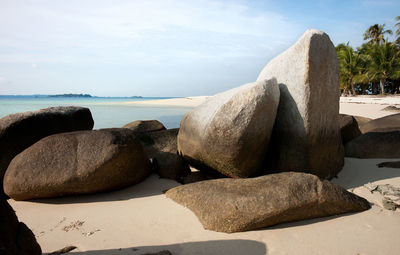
<point>70,95</point>
<point>66,95</point>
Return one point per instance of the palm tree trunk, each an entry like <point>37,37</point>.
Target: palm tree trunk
<point>353,90</point>
<point>382,83</point>
<point>345,92</point>
<point>374,88</point>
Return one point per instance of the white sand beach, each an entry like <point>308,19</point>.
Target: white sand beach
<point>180,101</point>
<point>140,219</point>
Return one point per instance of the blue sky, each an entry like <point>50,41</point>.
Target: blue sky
<point>162,47</point>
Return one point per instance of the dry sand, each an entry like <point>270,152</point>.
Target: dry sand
<point>183,101</point>
<point>140,219</point>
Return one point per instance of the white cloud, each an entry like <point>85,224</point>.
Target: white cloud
<point>71,31</point>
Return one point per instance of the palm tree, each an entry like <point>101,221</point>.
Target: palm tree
<point>376,34</point>
<point>383,63</point>
<point>398,29</point>
<point>351,66</point>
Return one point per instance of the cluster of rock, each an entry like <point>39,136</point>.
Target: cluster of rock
<point>285,128</point>
<point>66,157</point>
<point>378,138</point>
<point>54,152</point>
<point>21,130</point>
<point>277,137</point>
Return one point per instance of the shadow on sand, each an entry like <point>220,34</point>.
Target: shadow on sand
<point>151,186</point>
<point>357,172</point>
<point>220,247</point>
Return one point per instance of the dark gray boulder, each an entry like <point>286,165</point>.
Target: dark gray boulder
<point>145,126</point>
<point>78,162</point>
<point>348,128</point>
<point>230,132</point>
<point>234,205</point>
<point>161,147</point>
<point>21,130</point>
<point>15,237</point>
<point>375,145</point>
<point>384,124</point>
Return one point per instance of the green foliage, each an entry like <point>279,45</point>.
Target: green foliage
<point>376,34</point>
<point>383,62</point>
<point>375,62</point>
<point>352,65</point>
<point>398,29</point>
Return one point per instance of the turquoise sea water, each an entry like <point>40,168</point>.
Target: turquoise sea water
<point>106,112</point>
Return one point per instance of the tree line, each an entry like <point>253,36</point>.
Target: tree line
<point>374,67</point>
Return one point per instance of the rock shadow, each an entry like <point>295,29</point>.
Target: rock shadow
<point>220,247</point>
<point>281,152</point>
<point>306,222</point>
<point>152,186</point>
<point>357,172</point>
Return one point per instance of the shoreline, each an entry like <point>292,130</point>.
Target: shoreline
<point>180,102</point>
<point>197,100</point>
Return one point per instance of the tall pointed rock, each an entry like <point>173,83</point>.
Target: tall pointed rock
<point>306,135</point>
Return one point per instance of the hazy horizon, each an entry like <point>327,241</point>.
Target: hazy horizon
<point>162,48</point>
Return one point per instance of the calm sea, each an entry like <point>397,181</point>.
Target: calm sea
<point>106,112</point>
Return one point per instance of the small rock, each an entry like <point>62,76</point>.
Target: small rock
<point>371,187</point>
<point>145,126</point>
<point>389,204</point>
<point>391,108</point>
<point>388,190</point>
<point>390,164</point>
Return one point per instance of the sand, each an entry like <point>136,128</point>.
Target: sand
<point>183,101</point>
<point>140,219</point>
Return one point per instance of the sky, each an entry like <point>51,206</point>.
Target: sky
<point>164,48</point>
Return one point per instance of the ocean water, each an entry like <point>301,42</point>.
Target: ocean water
<point>106,112</point>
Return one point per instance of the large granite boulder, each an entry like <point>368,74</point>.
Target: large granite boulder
<point>15,237</point>
<point>306,135</point>
<point>21,130</point>
<point>233,205</point>
<point>375,145</point>
<point>230,132</point>
<point>384,124</point>
<point>161,148</point>
<point>348,128</point>
<point>145,126</point>
<point>78,162</point>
